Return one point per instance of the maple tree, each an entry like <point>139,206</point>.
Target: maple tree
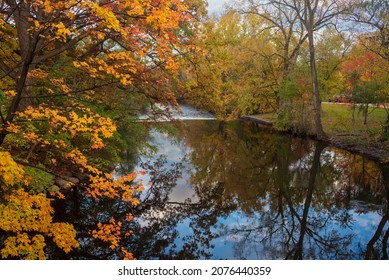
<point>63,65</point>
<point>366,75</point>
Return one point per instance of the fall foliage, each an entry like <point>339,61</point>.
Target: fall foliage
<point>65,69</point>
<point>75,74</point>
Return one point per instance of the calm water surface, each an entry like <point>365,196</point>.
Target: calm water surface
<point>232,190</point>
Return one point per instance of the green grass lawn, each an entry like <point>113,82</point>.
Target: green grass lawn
<point>338,123</point>
<point>337,119</point>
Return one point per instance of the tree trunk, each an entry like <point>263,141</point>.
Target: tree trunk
<point>315,86</point>
<point>365,114</point>
<point>385,134</point>
<point>27,46</point>
<point>371,251</point>
<point>298,253</point>
<point>16,100</point>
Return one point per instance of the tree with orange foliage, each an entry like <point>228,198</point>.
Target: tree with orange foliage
<point>57,58</point>
<point>366,76</point>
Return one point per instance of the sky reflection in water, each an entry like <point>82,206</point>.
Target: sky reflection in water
<point>235,191</point>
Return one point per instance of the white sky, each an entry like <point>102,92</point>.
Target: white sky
<point>215,6</point>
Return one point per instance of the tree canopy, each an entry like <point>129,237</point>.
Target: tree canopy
<point>69,71</point>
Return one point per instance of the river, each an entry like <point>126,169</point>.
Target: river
<point>234,190</point>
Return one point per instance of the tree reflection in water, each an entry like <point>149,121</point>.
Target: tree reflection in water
<point>235,191</point>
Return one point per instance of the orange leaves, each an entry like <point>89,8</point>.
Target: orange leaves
<point>78,158</point>
<point>28,215</point>
<point>109,232</point>
<point>10,172</point>
<point>12,128</point>
<point>167,14</point>
<point>105,185</point>
<point>127,255</point>
<point>119,65</point>
<point>9,93</point>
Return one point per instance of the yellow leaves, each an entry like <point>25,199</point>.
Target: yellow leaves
<point>93,125</point>
<point>10,172</point>
<point>37,24</point>
<point>61,31</point>
<point>22,245</point>
<point>12,128</point>
<point>106,15</point>
<point>10,93</point>
<point>23,214</point>
<point>64,236</point>
<point>47,5</point>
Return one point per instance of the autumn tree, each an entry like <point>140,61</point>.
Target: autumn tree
<point>373,33</point>
<point>62,66</point>
<point>221,74</point>
<point>286,33</point>
<point>366,76</point>
<point>300,21</point>
<point>332,48</point>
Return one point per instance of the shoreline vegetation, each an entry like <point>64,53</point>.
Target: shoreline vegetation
<point>342,131</point>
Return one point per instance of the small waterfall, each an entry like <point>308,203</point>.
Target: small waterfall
<point>187,113</point>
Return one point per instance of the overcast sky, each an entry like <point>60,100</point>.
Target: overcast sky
<point>215,6</point>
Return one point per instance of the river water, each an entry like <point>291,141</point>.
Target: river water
<point>233,190</point>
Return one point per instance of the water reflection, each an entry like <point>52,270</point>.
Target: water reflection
<point>236,191</point>
<point>265,195</point>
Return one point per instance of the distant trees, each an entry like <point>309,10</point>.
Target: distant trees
<point>293,55</point>
<point>231,73</point>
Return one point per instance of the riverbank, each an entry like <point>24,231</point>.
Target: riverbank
<point>357,143</point>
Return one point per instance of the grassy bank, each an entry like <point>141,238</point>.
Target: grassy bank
<point>345,128</point>
<point>338,119</point>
